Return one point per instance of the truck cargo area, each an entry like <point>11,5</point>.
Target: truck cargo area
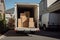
<point>26,16</point>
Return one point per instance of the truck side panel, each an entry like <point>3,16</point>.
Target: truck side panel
<point>54,19</point>
<point>45,19</point>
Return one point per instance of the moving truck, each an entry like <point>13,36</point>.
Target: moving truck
<point>26,17</point>
<point>50,21</point>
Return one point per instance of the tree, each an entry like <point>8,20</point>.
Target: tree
<point>11,22</point>
<point>0,16</point>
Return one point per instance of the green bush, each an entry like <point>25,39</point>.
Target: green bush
<point>3,27</point>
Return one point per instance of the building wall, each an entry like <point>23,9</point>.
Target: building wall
<point>2,8</point>
<point>43,6</point>
<point>50,2</point>
<point>55,6</point>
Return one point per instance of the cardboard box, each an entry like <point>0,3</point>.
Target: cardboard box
<point>26,23</point>
<point>24,20</point>
<point>27,13</point>
<point>19,23</point>
<point>22,14</point>
<point>23,17</point>
<point>31,20</point>
<point>31,25</point>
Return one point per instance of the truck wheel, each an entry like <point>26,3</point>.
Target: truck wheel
<point>44,27</point>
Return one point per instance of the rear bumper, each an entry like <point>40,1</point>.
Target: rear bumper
<point>27,29</point>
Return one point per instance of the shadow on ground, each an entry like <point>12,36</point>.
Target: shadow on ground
<point>13,33</point>
<point>49,34</point>
<point>41,33</point>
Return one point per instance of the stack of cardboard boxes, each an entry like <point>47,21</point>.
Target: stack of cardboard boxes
<point>25,20</point>
<point>19,23</point>
<point>31,23</point>
<point>23,17</point>
<point>27,14</point>
<point>26,23</point>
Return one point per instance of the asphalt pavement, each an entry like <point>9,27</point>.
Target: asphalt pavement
<point>42,35</point>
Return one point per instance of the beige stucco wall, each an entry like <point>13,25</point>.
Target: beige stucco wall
<point>2,8</point>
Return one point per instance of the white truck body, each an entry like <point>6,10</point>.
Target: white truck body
<point>50,19</point>
<point>36,15</point>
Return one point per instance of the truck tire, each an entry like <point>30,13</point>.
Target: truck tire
<point>44,27</point>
